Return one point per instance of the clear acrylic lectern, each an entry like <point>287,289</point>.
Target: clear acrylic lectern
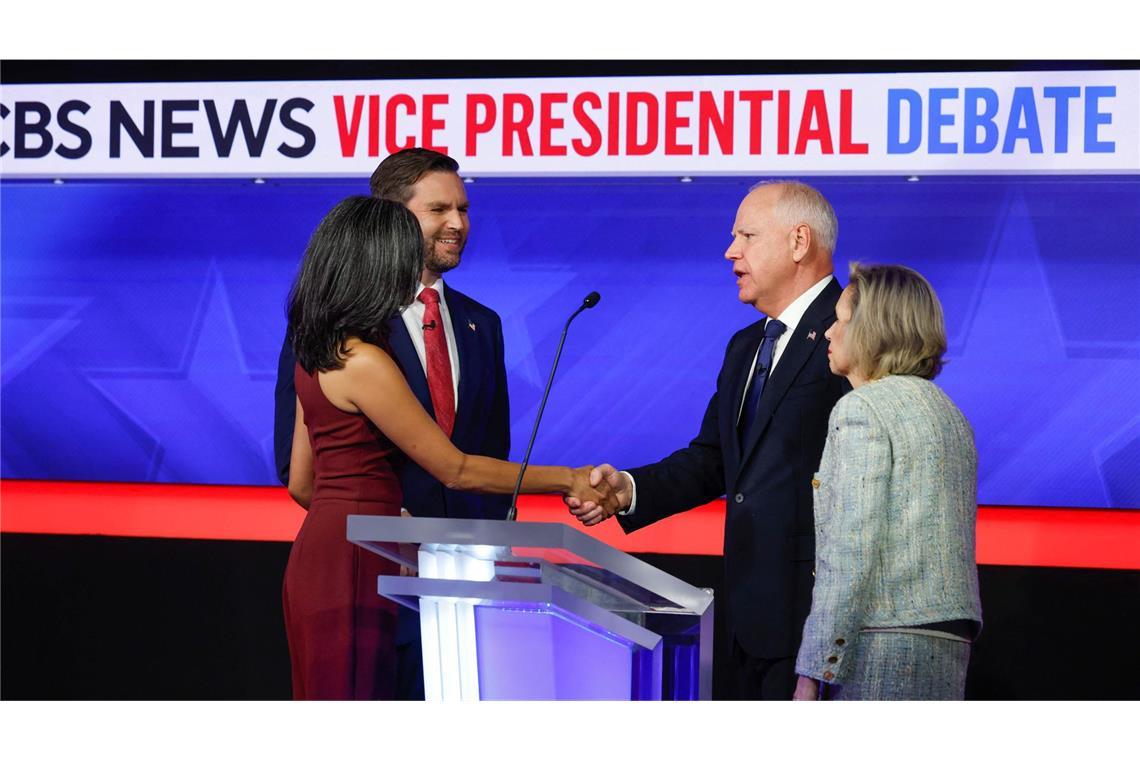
<point>514,610</point>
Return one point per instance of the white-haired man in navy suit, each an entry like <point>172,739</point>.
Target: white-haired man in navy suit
<point>762,434</point>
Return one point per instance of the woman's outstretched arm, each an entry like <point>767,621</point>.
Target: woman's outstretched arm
<point>372,383</point>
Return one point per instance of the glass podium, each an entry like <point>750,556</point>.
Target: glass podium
<point>512,610</point>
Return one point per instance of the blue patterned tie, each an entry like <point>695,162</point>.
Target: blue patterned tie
<point>773,330</point>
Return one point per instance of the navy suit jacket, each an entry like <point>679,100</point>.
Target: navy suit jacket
<point>482,420</point>
<point>769,532</point>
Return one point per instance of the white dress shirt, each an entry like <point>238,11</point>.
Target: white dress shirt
<point>791,317</point>
<point>413,316</point>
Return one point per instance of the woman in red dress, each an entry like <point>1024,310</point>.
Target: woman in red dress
<point>354,409</point>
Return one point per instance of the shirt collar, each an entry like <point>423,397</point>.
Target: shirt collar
<point>436,286</point>
<point>792,315</point>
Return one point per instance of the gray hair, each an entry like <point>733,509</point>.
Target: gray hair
<point>800,203</point>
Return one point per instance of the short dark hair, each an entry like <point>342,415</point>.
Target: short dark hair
<point>360,268</point>
<point>396,174</point>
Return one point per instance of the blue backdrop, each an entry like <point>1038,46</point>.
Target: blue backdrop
<point>141,320</point>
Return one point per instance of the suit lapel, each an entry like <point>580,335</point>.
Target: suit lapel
<point>467,348</point>
<point>405,353</point>
<point>792,360</point>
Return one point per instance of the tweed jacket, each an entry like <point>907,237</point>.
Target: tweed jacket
<point>895,513</point>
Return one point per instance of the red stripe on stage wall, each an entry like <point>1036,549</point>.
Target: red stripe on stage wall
<point>1028,536</point>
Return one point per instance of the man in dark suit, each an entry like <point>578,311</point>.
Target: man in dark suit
<point>762,435</point>
<point>450,348</point>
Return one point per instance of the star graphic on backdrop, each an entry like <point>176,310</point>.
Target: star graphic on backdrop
<point>531,291</point>
<point>542,292</point>
<point>1048,447</point>
<point>527,288</point>
<point>33,325</point>
<point>211,418</point>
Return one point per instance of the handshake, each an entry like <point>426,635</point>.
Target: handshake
<point>598,493</point>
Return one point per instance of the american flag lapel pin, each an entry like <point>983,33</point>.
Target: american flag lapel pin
<point>471,324</point>
<point>811,335</point>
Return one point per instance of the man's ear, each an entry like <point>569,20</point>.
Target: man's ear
<point>799,239</point>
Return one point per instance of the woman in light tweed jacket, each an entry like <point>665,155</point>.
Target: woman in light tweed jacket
<point>895,604</point>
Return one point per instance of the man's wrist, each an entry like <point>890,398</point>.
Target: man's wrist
<point>628,510</point>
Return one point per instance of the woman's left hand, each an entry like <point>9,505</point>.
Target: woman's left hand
<point>807,690</point>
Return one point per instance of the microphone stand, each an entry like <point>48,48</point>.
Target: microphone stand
<point>588,302</point>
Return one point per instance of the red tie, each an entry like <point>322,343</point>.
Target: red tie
<point>438,362</point>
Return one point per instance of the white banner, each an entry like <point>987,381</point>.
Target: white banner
<point>976,123</point>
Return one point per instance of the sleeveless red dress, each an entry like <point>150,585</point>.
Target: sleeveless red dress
<point>341,632</point>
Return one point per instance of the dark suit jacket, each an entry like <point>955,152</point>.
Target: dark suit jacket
<point>769,532</point>
<point>482,421</point>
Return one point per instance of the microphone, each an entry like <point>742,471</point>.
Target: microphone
<point>588,302</point>
<point>430,325</point>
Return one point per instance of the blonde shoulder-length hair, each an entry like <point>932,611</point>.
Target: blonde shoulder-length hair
<point>897,327</point>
